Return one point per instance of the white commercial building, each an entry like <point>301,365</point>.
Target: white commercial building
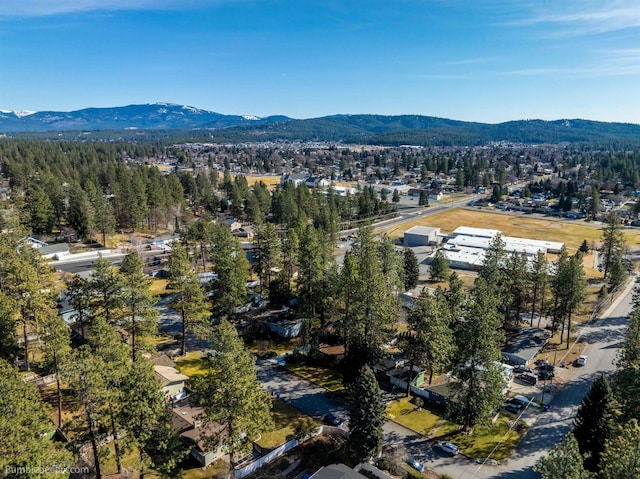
<point>467,246</point>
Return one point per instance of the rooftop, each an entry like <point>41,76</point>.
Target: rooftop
<point>337,471</point>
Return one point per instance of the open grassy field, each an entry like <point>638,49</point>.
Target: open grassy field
<point>572,234</point>
<point>269,180</point>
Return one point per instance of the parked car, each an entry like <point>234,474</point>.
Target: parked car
<point>545,375</point>
<point>333,420</point>
<point>415,464</point>
<point>522,369</point>
<point>527,378</point>
<point>541,362</point>
<point>448,447</point>
<point>512,408</point>
<point>581,361</point>
<point>547,367</point>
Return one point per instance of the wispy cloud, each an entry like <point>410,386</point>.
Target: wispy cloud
<point>34,8</point>
<point>607,63</point>
<point>582,17</point>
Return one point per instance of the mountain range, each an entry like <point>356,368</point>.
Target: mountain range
<point>188,122</point>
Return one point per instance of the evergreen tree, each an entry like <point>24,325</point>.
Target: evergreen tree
<point>231,395</point>
<point>496,195</point>
<point>104,218</point>
<point>8,326</point>
<point>594,204</point>
<point>57,345</point>
<point>569,290</point>
<point>391,263</point>
<point>137,299</point>
<point>84,374</point>
<point>439,267</point>
<point>24,423</point>
<point>267,253</point>
<point>455,296</point>
<point>494,274</point>
<point>516,271</point>
<point>395,197</point>
<point>79,212</point>
<point>621,458</point>
<point>191,302</point>
<point>370,308</point>
<point>40,211</point>
<point>563,461</point>
<point>411,269</point>
<point>365,417</point>
<point>627,382</point>
<point>231,265</point>
<point>144,417</point>
<point>79,295</point>
<point>310,270</point>
<point>613,242</point>
<point>593,424</point>
<point>430,342</point>
<point>584,247</point>
<point>477,382</point>
<point>112,354</point>
<point>106,290</point>
<point>539,281</point>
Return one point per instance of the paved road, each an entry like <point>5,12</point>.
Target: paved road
<point>604,338</point>
<point>547,428</point>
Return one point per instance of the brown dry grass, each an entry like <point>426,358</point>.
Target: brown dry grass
<point>572,234</point>
<point>270,180</point>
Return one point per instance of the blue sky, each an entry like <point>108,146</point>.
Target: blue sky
<point>482,60</point>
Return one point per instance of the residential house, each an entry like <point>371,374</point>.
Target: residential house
<point>523,346</point>
<point>206,441</point>
<point>295,178</point>
<point>232,224</point>
<point>173,382</point>
<point>317,182</point>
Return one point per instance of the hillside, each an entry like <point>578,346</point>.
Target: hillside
<point>163,120</point>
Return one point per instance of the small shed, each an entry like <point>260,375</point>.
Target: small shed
<point>421,236</point>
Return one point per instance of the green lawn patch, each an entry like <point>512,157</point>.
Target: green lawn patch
<point>284,417</point>
<point>324,377</point>
<point>484,439</point>
<point>192,364</point>
<point>404,412</point>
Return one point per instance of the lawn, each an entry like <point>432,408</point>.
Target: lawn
<point>324,377</point>
<point>405,413</point>
<point>192,364</point>
<point>158,287</point>
<point>484,440</point>
<point>217,469</point>
<point>284,417</point>
<point>108,464</point>
<point>269,180</point>
<point>524,226</point>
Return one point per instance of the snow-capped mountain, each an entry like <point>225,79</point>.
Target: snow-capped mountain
<point>151,116</point>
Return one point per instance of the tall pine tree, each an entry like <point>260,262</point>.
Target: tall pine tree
<point>365,417</point>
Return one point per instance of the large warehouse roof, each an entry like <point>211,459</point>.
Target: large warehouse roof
<point>479,232</point>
